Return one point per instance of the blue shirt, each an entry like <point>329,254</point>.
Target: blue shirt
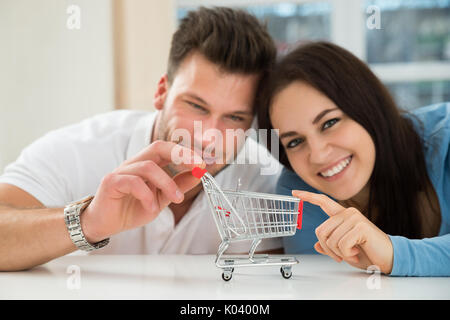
<point>412,257</point>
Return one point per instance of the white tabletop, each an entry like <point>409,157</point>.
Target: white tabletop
<point>197,277</point>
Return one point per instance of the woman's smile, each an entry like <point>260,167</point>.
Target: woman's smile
<point>336,170</point>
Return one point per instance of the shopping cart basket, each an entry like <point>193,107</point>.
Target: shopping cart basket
<point>244,215</point>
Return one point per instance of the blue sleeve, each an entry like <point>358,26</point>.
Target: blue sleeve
<point>430,256</point>
<point>412,257</point>
<point>303,241</point>
<point>424,257</point>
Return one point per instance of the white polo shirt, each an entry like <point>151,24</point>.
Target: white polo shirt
<point>69,163</point>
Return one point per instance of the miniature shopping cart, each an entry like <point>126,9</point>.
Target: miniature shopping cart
<point>243,215</point>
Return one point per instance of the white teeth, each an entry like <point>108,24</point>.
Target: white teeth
<point>336,169</point>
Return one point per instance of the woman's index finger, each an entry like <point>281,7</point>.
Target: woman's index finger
<point>328,205</point>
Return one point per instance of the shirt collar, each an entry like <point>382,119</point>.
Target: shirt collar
<point>140,138</point>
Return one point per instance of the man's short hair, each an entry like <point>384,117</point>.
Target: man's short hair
<point>232,39</point>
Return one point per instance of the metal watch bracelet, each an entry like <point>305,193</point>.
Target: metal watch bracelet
<point>72,214</point>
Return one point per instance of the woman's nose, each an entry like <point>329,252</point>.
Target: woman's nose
<point>319,151</point>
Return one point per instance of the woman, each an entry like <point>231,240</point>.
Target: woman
<point>375,180</point>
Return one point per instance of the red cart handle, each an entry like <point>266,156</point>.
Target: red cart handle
<point>198,172</point>
<point>300,215</point>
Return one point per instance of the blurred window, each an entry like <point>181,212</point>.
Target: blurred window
<point>412,31</point>
<point>410,95</point>
<point>410,52</point>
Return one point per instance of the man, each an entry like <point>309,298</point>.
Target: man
<point>143,203</point>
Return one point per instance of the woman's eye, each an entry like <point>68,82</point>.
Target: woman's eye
<point>330,123</point>
<point>294,143</point>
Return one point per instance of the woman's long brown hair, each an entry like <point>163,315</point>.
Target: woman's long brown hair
<point>400,172</point>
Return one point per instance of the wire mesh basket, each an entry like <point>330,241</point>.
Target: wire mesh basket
<point>244,215</point>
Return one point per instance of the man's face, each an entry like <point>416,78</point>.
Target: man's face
<point>203,103</point>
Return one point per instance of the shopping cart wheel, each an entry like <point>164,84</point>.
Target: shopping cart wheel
<point>226,275</point>
<point>286,272</point>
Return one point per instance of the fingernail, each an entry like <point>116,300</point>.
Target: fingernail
<point>179,195</point>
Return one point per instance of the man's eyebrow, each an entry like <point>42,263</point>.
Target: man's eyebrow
<point>245,113</point>
<point>196,97</point>
<point>322,114</point>
<point>237,112</point>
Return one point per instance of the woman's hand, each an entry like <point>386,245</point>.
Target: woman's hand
<point>348,235</point>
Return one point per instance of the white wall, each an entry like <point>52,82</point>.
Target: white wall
<point>51,76</point>
<point>144,33</point>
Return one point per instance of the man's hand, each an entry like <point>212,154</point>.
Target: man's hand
<point>135,193</point>
<point>348,235</point>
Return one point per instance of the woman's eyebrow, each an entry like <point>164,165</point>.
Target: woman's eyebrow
<point>288,134</point>
<point>316,119</point>
<point>322,114</point>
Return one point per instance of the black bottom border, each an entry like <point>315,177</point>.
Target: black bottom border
<point>230,309</point>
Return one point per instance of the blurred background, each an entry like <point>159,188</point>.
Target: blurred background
<point>65,60</point>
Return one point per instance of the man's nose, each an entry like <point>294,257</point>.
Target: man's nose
<point>211,134</point>
<point>212,123</point>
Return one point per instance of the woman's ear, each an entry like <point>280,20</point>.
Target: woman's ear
<point>161,92</point>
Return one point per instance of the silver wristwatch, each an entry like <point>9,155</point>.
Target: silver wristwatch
<point>72,214</point>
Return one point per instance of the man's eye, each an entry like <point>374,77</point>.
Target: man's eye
<point>294,143</point>
<point>330,123</point>
<point>196,106</point>
<point>236,118</point>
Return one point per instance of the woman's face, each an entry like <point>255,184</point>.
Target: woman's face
<point>327,149</point>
